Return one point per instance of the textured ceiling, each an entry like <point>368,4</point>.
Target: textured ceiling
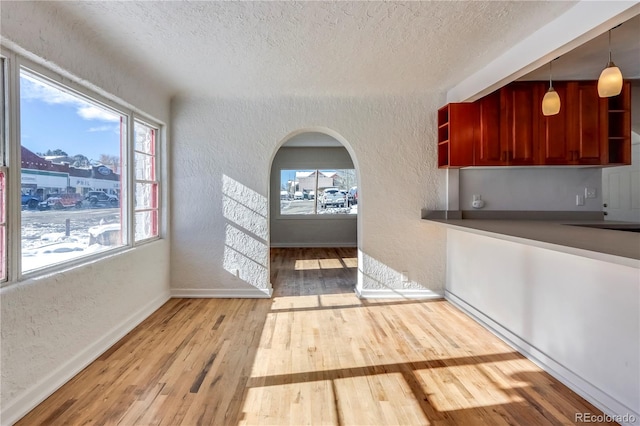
<point>306,48</point>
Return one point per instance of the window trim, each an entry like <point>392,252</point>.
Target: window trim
<point>157,181</point>
<point>14,63</point>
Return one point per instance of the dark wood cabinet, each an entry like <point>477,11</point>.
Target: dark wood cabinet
<point>519,123</point>
<point>617,132</point>
<point>507,128</point>
<point>589,131</point>
<point>457,127</point>
<point>488,150</point>
<point>555,132</point>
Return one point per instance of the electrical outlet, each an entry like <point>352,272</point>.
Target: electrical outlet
<point>579,200</point>
<point>590,193</point>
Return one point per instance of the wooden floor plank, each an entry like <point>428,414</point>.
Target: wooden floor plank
<point>313,354</point>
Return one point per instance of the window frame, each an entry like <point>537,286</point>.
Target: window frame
<point>4,128</point>
<point>14,64</point>
<point>157,179</point>
<point>315,215</point>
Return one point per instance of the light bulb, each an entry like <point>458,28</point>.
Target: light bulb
<point>610,81</point>
<point>551,102</point>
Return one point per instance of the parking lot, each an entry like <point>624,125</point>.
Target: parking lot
<point>294,207</point>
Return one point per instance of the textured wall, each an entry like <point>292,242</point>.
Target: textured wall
<point>54,319</point>
<point>49,320</point>
<point>67,45</point>
<point>390,140</point>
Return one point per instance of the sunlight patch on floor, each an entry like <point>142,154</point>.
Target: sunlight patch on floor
<point>314,264</point>
<point>351,262</point>
<point>463,387</point>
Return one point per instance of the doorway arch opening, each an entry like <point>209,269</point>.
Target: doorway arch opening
<point>314,207</point>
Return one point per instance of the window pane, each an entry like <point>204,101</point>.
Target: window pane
<point>3,247</point>
<point>2,212</point>
<point>3,254</point>
<point>146,224</point>
<point>70,174</point>
<point>145,138</point>
<point>144,167</point>
<point>304,192</point>
<point>146,196</point>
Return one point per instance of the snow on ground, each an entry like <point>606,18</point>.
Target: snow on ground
<point>44,239</point>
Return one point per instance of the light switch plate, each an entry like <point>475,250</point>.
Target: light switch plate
<point>590,193</point>
<point>579,200</point>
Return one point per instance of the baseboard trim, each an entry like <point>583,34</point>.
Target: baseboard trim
<point>221,293</point>
<point>605,402</point>
<point>398,293</point>
<point>311,245</point>
<point>26,401</point>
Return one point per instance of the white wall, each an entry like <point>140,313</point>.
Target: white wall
<point>391,141</point>
<point>578,317</point>
<point>532,188</point>
<point>311,230</point>
<point>53,325</point>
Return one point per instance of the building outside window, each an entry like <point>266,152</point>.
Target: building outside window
<point>71,174</point>
<point>313,192</point>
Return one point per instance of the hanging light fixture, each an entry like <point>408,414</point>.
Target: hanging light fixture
<point>551,100</point>
<point>610,81</point>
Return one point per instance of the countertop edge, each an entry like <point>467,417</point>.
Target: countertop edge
<point>563,248</point>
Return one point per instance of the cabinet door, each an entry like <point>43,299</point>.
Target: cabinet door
<point>488,150</point>
<point>518,124</point>
<point>590,126</point>
<point>555,130</point>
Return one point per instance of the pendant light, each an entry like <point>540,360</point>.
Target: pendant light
<point>551,100</point>
<point>610,81</point>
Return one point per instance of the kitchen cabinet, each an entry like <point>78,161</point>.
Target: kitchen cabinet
<point>488,150</point>
<point>507,128</point>
<point>617,136</point>
<point>519,123</point>
<point>457,124</point>
<point>557,131</point>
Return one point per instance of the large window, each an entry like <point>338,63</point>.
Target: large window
<point>79,174</point>
<point>310,192</point>
<point>71,174</point>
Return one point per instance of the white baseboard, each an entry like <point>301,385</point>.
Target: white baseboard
<point>398,293</point>
<point>310,245</point>
<point>222,293</point>
<point>588,391</point>
<point>34,395</point>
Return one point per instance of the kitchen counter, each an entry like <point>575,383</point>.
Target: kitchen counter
<point>616,246</point>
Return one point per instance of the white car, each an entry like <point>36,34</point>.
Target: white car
<point>332,197</point>
<point>298,195</point>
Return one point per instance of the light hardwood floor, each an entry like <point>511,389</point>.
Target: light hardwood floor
<point>314,354</point>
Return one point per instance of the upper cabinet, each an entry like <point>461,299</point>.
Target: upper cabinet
<point>507,128</point>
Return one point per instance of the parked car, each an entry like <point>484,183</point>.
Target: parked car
<point>332,197</point>
<point>100,199</point>
<point>352,196</point>
<point>284,195</point>
<point>61,201</point>
<point>298,195</point>
<point>312,195</point>
<point>29,201</point>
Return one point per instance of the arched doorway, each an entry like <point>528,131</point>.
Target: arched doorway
<point>314,204</point>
